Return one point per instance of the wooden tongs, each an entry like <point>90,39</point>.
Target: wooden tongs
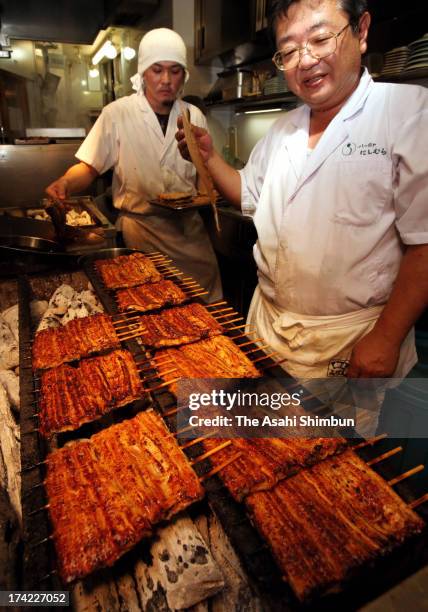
<point>197,160</point>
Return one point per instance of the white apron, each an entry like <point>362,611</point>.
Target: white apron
<point>319,346</point>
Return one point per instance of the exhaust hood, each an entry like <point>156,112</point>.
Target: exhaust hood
<point>70,21</point>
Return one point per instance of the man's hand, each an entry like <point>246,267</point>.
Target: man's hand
<point>203,139</point>
<point>59,189</point>
<point>374,356</point>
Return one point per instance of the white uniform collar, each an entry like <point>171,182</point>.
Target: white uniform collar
<point>144,104</point>
<point>354,103</point>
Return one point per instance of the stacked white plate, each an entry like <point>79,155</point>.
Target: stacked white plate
<point>418,58</point>
<point>395,61</point>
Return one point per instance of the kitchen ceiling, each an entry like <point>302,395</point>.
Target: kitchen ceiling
<point>70,21</point>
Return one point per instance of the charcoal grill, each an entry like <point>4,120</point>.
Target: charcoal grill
<point>39,567</point>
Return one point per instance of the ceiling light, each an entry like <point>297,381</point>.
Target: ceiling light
<point>262,110</point>
<point>129,53</point>
<point>107,50</point>
<point>110,51</point>
<point>94,73</point>
<point>5,54</point>
<point>83,82</point>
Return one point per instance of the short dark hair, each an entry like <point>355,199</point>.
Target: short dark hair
<point>279,8</point>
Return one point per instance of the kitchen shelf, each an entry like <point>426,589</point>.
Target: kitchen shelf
<point>404,77</point>
<point>285,98</point>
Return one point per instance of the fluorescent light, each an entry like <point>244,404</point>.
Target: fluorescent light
<point>107,50</point>
<point>262,110</point>
<point>129,53</point>
<point>110,51</point>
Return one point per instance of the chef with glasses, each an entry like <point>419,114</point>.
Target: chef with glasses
<point>338,191</point>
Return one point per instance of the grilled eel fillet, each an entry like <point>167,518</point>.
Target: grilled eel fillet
<point>179,325</point>
<point>216,357</point>
<point>266,461</point>
<point>127,271</point>
<point>150,296</point>
<point>326,521</point>
<point>78,338</point>
<point>70,396</point>
<point>107,493</point>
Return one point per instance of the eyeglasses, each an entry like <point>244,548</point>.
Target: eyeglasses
<point>319,46</point>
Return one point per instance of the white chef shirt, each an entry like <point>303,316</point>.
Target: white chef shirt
<point>127,136</point>
<point>331,227</point>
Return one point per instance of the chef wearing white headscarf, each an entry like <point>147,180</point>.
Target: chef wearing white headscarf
<point>135,136</point>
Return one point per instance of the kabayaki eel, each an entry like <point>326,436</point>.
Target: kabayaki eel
<point>107,493</point>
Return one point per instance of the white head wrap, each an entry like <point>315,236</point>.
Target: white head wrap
<point>159,45</point>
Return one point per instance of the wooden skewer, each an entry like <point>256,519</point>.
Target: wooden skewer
<point>31,489</point>
<point>219,467</point>
<point>190,283</point>
<point>123,316</point>
<point>135,334</point>
<point>174,411</point>
<point>211,452</point>
<point>32,467</point>
<point>390,453</point>
<point>165,384</point>
<point>407,474</point>
<point>244,335</point>
<point>54,572</point>
<point>265,357</point>
<point>254,350</point>
<point>272,365</point>
<point>146,378</point>
<point>231,314</point>
<point>215,304</point>
<point>158,256</point>
<point>232,321</point>
<point>240,327</point>
<point>184,430</point>
<point>199,294</point>
<point>197,440</point>
<point>145,368</point>
<point>417,502</point>
<point>39,510</point>
<point>250,342</point>
<point>40,542</point>
<point>223,310</point>
<point>370,442</point>
<point>127,327</point>
<point>172,273</point>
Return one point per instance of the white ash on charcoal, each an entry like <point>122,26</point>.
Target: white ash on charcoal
<point>10,382</point>
<point>11,316</point>
<point>67,304</point>
<point>179,573</point>
<point>10,461</point>
<point>9,541</point>
<point>9,351</point>
<point>237,594</point>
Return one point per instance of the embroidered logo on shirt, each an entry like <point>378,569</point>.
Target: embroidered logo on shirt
<point>362,149</point>
<point>349,148</point>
